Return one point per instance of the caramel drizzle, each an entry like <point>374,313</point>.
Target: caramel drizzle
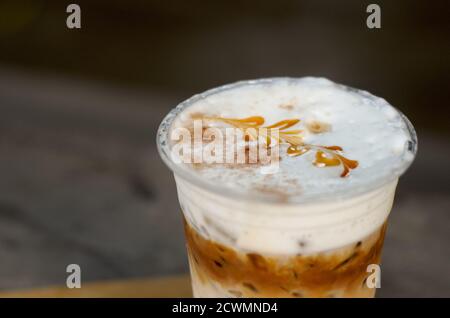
<point>326,156</point>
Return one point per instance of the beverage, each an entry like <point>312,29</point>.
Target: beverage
<point>309,228</point>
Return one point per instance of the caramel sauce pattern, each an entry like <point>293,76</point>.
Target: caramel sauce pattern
<point>326,156</point>
<point>339,273</point>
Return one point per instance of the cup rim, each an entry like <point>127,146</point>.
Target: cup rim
<point>163,146</point>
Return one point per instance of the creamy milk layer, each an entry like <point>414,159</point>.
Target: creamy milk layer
<point>318,210</point>
<point>280,229</point>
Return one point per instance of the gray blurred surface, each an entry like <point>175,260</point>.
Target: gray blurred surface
<point>81,182</point>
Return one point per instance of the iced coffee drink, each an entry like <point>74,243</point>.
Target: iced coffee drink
<point>307,216</point>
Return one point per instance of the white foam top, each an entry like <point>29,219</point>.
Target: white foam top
<point>368,129</point>
<point>324,211</point>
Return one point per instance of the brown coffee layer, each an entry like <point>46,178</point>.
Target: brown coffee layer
<point>338,273</point>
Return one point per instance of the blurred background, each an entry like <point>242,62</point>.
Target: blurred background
<point>80,178</point>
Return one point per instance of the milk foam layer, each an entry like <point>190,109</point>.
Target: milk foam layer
<point>323,211</point>
<point>367,128</point>
<point>280,229</point>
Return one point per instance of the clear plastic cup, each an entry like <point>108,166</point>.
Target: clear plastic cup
<point>240,244</point>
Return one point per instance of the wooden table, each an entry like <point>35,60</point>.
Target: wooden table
<point>174,286</point>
